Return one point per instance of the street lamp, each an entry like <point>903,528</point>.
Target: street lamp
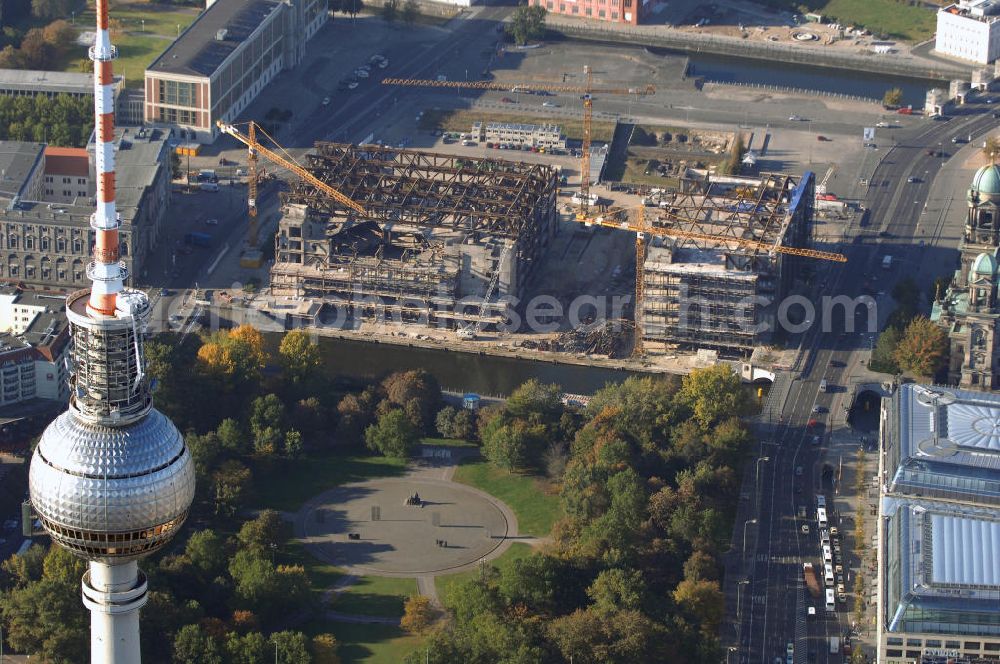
<point>739,604</point>
<point>745,524</point>
<point>756,482</point>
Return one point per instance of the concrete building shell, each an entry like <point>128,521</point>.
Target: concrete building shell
<point>713,295</point>
<point>437,228</point>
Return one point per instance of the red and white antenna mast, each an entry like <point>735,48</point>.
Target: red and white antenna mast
<point>106,272</point>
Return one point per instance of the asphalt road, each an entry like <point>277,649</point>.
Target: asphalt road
<point>771,611</point>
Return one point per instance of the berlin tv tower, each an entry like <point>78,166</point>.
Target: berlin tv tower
<point>111,479</point>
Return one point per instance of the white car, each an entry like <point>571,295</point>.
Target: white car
<point>212,222</point>
<point>352,85</point>
<point>549,104</point>
<point>326,101</point>
<point>793,118</point>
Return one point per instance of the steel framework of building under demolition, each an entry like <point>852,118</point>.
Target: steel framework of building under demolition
<point>496,203</point>
<point>729,301</point>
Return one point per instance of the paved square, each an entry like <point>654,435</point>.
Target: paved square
<point>400,539</point>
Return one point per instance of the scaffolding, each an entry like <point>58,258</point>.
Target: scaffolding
<point>713,294</point>
<point>429,241</point>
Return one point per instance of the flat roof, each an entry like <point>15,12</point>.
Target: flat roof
<point>945,442</point>
<point>67,161</point>
<point>198,51</point>
<point>946,557</point>
<point>33,80</point>
<point>17,160</point>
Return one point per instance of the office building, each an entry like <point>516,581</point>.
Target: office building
<point>216,67</point>
<point>938,530</point>
<point>969,30</point>
<point>47,243</point>
<point>632,12</point>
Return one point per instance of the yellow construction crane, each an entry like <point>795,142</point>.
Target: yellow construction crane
<point>618,218</point>
<point>256,149</point>
<point>587,91</point>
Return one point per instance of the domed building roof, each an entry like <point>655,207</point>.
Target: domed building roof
<point>987,180</point>
<point>985,265</point>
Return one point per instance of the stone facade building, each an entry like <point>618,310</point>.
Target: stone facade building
<point>969,310</point>
<point>48,243</point>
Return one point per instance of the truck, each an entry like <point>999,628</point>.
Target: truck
<point>812,583</point>
<point>198,239</point>
<point>834,645</point>
<point>886,262</point>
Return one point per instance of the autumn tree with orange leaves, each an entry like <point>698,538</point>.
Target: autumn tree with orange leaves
<point>923,350</point>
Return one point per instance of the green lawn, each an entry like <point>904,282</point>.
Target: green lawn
<point>897,19</point>
<point>147,30</point>
<point>367,644</point>
<point>321,575</point>
<point>448,442</point>
<point>535,509</point>
<point>446,583</point>
<point>375,596</point>
<point>313,475</point>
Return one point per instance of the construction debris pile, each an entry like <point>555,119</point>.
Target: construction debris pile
<point>605,337</point>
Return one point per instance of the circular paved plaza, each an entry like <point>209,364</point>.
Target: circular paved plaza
<point>456,526</point>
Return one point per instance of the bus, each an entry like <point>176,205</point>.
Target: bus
<point>828,577</point>
<point>821,517</point>
<point>830,606</point>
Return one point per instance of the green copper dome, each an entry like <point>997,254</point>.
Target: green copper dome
<point>984,266</point>
<point>987,180</point>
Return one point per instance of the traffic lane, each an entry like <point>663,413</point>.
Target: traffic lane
<point>360,108</point>
<point>773,526</point>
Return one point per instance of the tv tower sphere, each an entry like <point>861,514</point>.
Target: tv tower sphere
<point>111,479</point>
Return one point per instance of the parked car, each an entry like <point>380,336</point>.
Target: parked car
<point>326,101</point>
<point>822,138</point>
<point>212,222</point>
<point>507,100</point>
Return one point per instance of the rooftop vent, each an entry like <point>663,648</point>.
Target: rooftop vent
<point>220,35</point>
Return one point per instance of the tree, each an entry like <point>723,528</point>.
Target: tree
<point>893,97</point>
<point>701,565</point>
<point>393,435</point>
<point>417,391</point>
<point>292,647</point>
<point>443,421</point>
<point>417,614</point>
<point>232,437</point>
<point>535,402</point>
<point>193,646</point>
<point>923,350</point>
<point>324,649</point>
<point>527,24</point>
<point>231,484</point>
<point>356,411</point>
<point>617,589</point>
<point>390,10</point>
<point>293,444</point>
<point>255,579</point>
<point>713,394</point>
<point>300,357</point>
<point>507,444</point>
<point>250,648</point>
<point>991,149</point>
<point>204,450</point>
<point>263,533</point>
<point>410,11</point>
<point>266,423</point>
<point>206,550</point>
<point>883,356</point>
<point>53,8</point>
<point>704,601</point>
